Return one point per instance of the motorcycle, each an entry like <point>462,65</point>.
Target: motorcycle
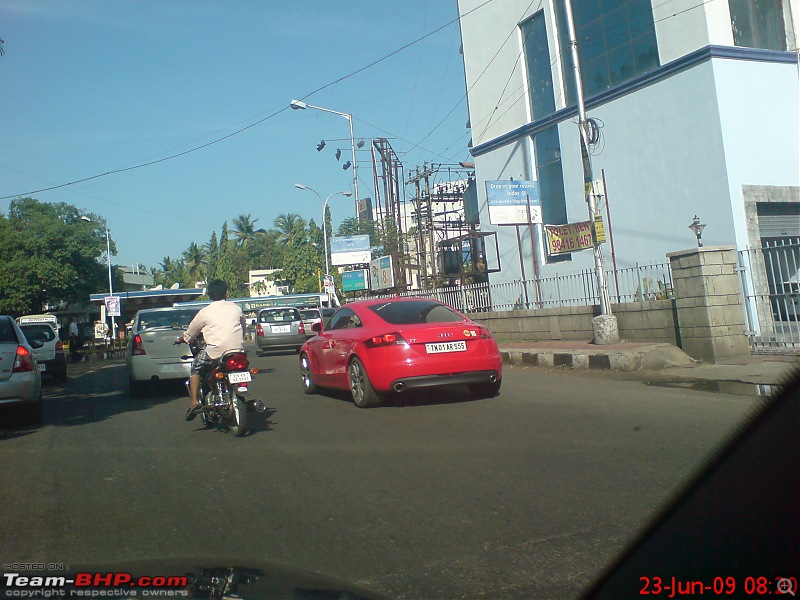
<point>224,390</point>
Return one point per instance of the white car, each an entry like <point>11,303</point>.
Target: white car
<point>20,378</point>
<point>50,356</point>
<point>152,355</point>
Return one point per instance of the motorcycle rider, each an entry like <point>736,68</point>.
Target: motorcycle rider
<point>222,324</point>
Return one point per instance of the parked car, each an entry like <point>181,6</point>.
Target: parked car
<point>50,356</point>
<point>378,347</point>
<point>280,328</point>
<point>151,354</point>
<point>20,378</point>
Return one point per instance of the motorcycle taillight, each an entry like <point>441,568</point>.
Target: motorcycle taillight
<point>237,362</point>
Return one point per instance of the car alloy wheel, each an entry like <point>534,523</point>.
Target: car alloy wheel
<point>305,373</point>
<point>364,395</point>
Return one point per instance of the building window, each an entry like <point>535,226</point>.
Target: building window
<point>539,66</point>
<point>758,24</point>
<point>616,42</point>
<point>550,175</point>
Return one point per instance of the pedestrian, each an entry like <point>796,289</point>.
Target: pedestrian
<point>74,343</point>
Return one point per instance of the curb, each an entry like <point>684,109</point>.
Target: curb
<point>655,357</point>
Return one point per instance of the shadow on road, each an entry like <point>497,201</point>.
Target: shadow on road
<point>93,392</point>
<point>413,398</point>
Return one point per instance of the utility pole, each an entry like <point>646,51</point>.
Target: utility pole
<point>604,327</point>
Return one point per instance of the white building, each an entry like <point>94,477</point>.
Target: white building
<point>698,104</point>
<point>266,282</point>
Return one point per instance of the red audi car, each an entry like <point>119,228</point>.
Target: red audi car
<point>376,347</point>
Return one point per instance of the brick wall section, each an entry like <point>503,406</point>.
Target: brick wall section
<point>709,302</point>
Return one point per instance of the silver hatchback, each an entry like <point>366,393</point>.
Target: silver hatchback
<point>20,378</point>
<point>280,328</point>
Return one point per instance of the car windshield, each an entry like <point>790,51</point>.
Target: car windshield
<point>38,332</point>
<point>309,314</point>
<point>151,320</point>
<point>279,315</point>
<point>415,312</point>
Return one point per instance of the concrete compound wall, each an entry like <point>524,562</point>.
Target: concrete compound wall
<point>705,318</point>
<point>651,321</point>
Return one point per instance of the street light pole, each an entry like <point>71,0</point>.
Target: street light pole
<point>110,280</point>
<point>110,285</point>
<point>605,326</point>
<point>300,186</point>
<point>300,105</point>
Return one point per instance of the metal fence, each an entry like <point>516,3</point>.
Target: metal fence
<point>770,284</point>
<point>634,284</point>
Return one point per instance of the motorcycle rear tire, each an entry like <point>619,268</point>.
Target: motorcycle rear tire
<point>238,419</point>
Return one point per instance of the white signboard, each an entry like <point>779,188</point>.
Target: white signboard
<point>350,250</point>
<point>381,273</point>
<point>100,330</point>
<point>513,202</point>
<point>113,307</point>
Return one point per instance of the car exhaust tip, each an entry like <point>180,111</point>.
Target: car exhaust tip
<point>399,387</point>
<point>493,378</point>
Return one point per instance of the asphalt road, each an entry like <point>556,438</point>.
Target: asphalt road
<point>526,495</point>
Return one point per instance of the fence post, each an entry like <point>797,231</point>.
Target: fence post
<point>639,278</point>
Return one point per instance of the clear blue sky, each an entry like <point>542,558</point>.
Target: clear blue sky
<point>92,86</point>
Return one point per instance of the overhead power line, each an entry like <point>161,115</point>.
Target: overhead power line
<point>250,126</point>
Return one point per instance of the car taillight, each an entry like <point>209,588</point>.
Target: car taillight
<point>23,361</point>
<point>387,339</point>
<point>259,331</point>
<point>59,347</point>
<point>237,362</point>
<point>485,333</point>
<point>301,328</point>
<point>138,346</point>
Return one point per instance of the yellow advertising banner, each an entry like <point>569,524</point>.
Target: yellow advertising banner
<point>572,237</point>
<point>599,230</point>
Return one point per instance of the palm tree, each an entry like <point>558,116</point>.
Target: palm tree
<point>288,226</point>
<point>245,229</point>
<point>195,258</point>
<point>167,265</point>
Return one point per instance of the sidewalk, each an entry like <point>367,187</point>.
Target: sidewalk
<point>647,360</point>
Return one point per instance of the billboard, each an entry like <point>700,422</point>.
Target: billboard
<point>381,273</point>
<point>562,239</point>
<point>354,281</point>
<point>509,202</point>
<point>350,250</point>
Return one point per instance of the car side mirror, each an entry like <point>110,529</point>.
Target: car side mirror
<point>316,327</point>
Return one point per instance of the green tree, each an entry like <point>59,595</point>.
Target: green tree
<point>265,251</point>
<point>288,226</point>
<point>49,255</point>
<point>195,258</point>
<point>212,257</point>
<point>245,229</point>
<point>231,267</point>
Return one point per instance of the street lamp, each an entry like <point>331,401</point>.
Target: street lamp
<point>110,284</point>
<point>300,105</point>
<point>697,227</point>
<point>300,186</point>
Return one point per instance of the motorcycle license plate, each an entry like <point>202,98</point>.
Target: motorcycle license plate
<point>240,377</point>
